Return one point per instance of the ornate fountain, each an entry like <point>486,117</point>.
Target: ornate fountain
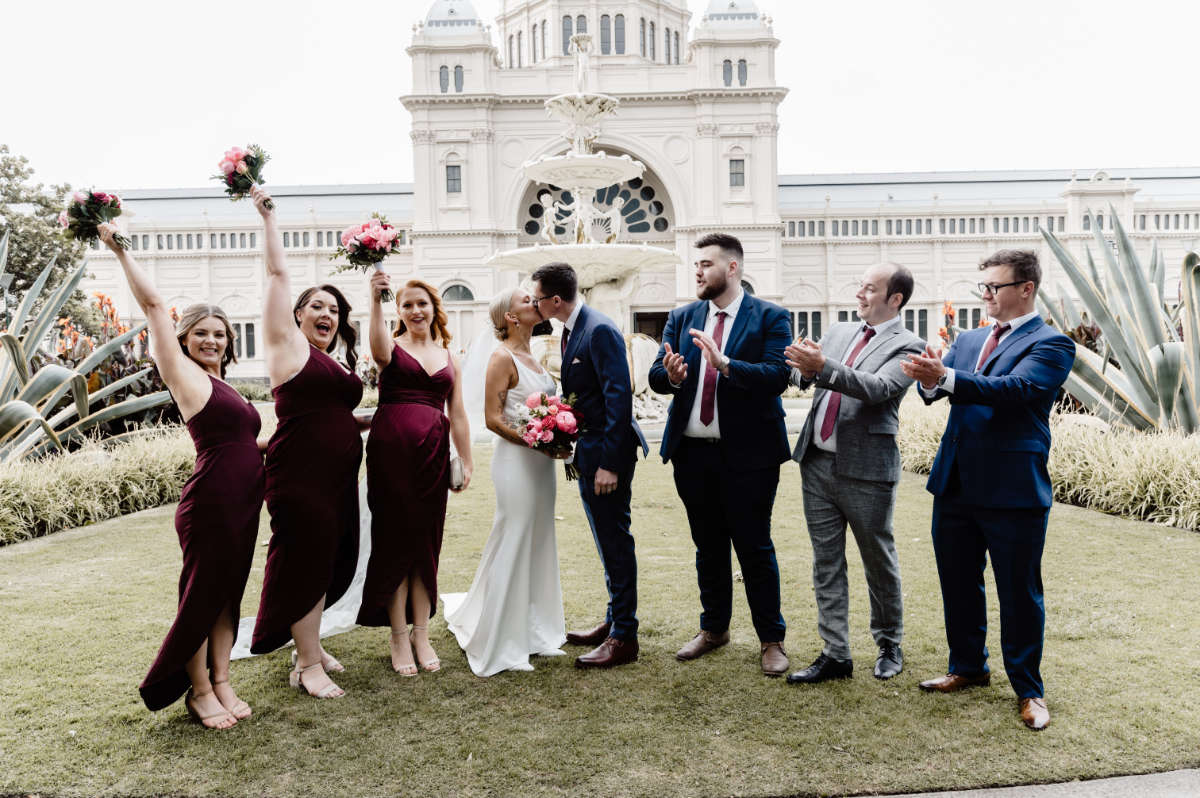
<point>576,231</point>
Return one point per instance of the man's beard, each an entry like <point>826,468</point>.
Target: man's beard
<point>713,289</point>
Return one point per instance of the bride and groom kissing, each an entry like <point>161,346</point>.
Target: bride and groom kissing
<point>513,608</point>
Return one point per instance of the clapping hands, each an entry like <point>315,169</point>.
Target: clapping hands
<point>806,356</point>
<point>709,348</point>
<point>675,365</point>
<point>926,368</point>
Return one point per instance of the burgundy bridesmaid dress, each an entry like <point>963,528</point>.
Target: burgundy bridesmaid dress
<point>217,523</point>
<point>408,476</point>
<point>312,496</point>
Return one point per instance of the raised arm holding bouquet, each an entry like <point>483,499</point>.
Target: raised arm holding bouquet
<point>86,211</point>
<point>366,245</point>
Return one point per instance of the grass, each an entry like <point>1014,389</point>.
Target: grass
<point>85,611</point>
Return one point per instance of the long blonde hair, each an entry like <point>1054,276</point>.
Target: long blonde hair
<point>193,315</point>
<point>439,327</point>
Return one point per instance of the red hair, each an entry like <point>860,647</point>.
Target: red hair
<point>438,326</point>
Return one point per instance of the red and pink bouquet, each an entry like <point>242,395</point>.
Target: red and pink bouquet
<point>241,170</point>
<point>86,211</point>
<point>366,245</point>
<point>552,425</point>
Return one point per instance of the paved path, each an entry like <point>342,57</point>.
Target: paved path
<point>1174,784</point>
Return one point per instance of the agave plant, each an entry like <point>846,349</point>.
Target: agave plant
<point>31,421</point>
<point>1154,385</point>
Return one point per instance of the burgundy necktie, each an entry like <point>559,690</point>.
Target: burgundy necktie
<point>992,342</point>
<point>566,334</point>
<point>708,397</point>
<point>835,399</point>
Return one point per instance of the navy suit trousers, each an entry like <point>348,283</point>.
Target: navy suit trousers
<point>608,515</point>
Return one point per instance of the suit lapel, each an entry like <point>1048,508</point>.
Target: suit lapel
<point>1028,328</point>
<point>573,342</point>
<point>875,342</point>
<point>735,334</point>
<point>689,348</point>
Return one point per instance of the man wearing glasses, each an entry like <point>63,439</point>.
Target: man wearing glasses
<point>991,489</point>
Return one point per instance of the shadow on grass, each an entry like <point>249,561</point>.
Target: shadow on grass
<point>85,610</point>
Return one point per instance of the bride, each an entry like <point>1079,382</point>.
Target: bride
<point>514,607</point>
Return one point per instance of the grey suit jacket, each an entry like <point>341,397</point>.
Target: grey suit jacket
<point>869,415</point>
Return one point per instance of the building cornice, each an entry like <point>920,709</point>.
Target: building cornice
<point>491,100</point>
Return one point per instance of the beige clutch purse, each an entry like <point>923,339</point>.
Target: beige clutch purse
<point>457,478</point>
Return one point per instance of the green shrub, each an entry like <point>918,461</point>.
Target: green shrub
<point>1152,476</point>
<point>252,390</point>
<point>94,483</point>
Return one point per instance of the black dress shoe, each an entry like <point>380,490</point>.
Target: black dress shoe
<point>889,662</point>
<point>822,670</point>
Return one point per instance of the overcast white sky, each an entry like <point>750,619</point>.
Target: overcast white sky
<point>876,85</point>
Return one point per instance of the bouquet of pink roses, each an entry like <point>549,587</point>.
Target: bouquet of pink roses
<point>552,425</point>
<point>86,211</point>
<point>241,170</point>
<point>366,245</point>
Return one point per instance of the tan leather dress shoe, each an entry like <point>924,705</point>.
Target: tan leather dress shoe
<point>1034,713</point>
<point>774,659</point>
<point>953,682</point>
<point>609,654</point>
<point>701,644</point>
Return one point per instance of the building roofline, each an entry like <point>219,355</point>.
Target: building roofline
<point>987,176</point>
<point>210,192</point>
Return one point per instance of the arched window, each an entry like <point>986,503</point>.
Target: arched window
<point>520,49</point>
<point>727,72</point>
<point>581,24</point>
<point>643,37</point>
<point>605,35</point>
<point>567,32</point>
<point>666,45</point>
<point>652,34</point>
<point>511,61</point>
<point>619,30</point>
<point>742,72</point>
<point>458,78</point>
<point>444,78</point>
<point>1087,222</point>
<point>457,293</point>
<point>545,52</point>
<point>676,47</point>
<point>533,45</point>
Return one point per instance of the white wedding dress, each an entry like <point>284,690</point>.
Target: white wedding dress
<point>514,607</point>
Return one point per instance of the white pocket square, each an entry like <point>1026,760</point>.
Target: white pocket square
<point>576,360</point>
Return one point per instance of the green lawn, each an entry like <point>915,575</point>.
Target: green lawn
<point>85,610</point>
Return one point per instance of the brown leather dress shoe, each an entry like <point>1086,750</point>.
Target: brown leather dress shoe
<point>589,637</point>
<point>701,644</point>
<point>609,654</point>
<point>1034,713</point>
<point>953,682</point>
<point>774,659</point>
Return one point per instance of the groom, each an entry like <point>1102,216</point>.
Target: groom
<point>594,368</point>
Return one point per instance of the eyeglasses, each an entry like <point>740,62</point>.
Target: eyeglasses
<point>990,288</point>
<point>538,299</point>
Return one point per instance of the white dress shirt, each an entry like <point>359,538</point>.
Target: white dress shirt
<point>830,445</point>
<point>694,428</point>
<point>948,385</point>
<point>572,320</point>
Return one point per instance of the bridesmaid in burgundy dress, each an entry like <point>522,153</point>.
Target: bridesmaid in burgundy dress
<point>217,519</point>
<point>311,469</point>
<point>408,468</point>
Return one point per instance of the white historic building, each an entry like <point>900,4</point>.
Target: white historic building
<point>699,109</point>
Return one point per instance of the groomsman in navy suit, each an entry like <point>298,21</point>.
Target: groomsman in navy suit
<point>991,488</point>
<point>722,359</point>
<point>595,369</point>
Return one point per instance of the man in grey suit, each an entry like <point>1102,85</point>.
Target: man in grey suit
<point>850,464</point>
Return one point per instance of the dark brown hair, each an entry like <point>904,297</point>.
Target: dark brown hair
<point>557,279</point>
<point>901,282</point>
<point>441,332</point>
<point>345,330</point>
<point>728,244</point>
<point>1024,263</point>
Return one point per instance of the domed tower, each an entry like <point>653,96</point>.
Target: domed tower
<point>708,144</point>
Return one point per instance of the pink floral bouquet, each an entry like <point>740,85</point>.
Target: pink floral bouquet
<point>366,245</point>
<point>86,211</point>
<point>241,170</point>
<point>553,425</point>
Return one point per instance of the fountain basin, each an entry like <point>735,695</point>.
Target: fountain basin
<point>583,170</point>
<point>578,108</point>
<point>593,263</point>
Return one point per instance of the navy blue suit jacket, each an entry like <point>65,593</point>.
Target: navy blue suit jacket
<point>749,409</point>
<point>596,370</point>
<point>998,434</point>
